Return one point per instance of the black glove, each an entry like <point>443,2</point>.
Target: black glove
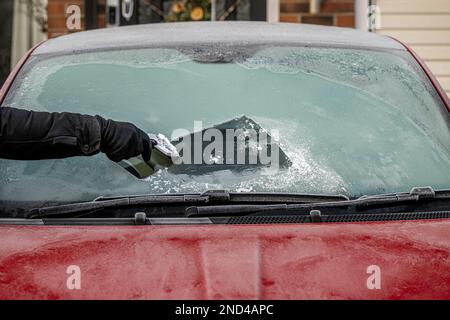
<point>123,140</point>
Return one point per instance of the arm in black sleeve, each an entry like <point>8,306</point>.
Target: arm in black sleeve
<point>30,135</point>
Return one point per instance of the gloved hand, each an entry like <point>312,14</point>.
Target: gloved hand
<point>123,140</point>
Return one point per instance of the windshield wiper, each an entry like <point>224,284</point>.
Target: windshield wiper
<point>199,199</point>
<point>416,195</point>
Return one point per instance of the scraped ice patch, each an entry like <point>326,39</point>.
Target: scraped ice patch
<point>307,174</point>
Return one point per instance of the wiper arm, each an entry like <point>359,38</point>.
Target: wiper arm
<point>210,196</point>
<point>416,194</point>
<point>115,202</point>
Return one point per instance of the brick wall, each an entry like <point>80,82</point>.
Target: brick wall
<point>332,12</point>
<point>56,12</point>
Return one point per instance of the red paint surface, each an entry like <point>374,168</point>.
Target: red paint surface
<point>304,261</point>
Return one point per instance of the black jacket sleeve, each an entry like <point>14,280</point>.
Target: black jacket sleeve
<point>30,135</point>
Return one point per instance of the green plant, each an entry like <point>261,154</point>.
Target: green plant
<point>189,10</point>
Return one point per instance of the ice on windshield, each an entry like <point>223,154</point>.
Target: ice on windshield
<point>351,121</point>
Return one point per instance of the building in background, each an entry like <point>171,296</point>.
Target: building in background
<point>98,13</point>
<point>29,26</point>
<point>104,13</point>
<point>23,23</point>
<point>6,10</point>
<point>340,13</point>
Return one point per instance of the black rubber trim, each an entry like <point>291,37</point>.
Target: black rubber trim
<point>277,219</point>
<point>341,218</point>
<point>268,219</point>
<point>18,222</point>
<point>388,216</point>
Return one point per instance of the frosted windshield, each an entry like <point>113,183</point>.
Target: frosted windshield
<point>352,122</point>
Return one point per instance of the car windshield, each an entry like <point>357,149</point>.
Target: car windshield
<point>349,121</point>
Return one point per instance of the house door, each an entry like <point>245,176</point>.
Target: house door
<point>197,10</point>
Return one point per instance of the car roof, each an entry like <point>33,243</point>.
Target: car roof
<point>195,33</point>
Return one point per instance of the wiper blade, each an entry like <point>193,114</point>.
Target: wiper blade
<point>415,195</point>
<point>210,196</point>
<point>115,202</point>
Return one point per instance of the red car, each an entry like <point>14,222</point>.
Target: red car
<point>358,207</point>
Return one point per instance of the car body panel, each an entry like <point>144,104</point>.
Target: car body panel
<point>279,261</point>
<point>282,261</point>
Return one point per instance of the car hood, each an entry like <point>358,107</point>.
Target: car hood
<point>283,261</point>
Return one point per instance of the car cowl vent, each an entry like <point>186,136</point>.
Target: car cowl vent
<point>388,216</point>
<point>268,219</point>
<point>341,218</point>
